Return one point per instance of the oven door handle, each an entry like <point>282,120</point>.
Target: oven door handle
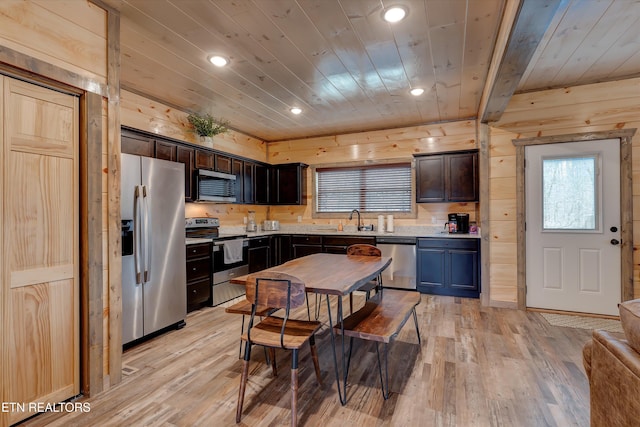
<point>217,245</point>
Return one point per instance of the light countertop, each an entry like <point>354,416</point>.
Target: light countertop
<point>433,232</point>
<point>430,232</point>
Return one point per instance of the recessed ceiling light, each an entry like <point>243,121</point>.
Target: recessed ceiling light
<point>218,61</point>
<point>296,110</point>
<point>395,14</point>
<point>416,91</point>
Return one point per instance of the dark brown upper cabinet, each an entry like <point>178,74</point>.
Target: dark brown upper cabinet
<point>447,177</point>
<point>289,184</point>
<point>261,184</point>
<point>166,151</point>
<point>237,169</point>
<point>223,163</point>
<point>248,186</point>
<point>185,156</point>
<point>256,182</point>
<point>205,160</point>
<point>138,145</point>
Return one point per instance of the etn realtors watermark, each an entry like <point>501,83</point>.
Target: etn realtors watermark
<point>45,407</point>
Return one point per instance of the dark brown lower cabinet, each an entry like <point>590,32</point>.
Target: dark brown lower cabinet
<point>449,267</point>
<point>280,249</point>
<point>302,245</point>
<point>259,254</point>
<point>339,244</point>
<point>199,275</point>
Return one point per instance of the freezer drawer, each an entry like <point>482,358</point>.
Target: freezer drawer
<point>401,273</point>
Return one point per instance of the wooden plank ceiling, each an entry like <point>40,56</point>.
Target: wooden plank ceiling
<point>346,68</point>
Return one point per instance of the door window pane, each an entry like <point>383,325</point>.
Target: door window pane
<point>569,193</point>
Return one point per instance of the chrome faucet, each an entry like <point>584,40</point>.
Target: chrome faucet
<point>359,227</point>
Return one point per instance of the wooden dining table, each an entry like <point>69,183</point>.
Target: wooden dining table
<point>332,274</point>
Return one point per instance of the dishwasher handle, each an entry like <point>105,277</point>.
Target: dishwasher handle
<point>396,240</point>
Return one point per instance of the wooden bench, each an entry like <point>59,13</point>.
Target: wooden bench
<point>380,320</point>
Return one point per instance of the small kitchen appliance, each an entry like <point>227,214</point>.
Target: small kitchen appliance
<point>458,223</point>
<point>271,225</point>
<point>251,222</point>
<point>463,223</point>
<point>452,223</point>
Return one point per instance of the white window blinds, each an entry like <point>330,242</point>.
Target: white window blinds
<point>379,188</point>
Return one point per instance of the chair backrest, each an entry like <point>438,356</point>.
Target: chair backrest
<point>364,250</point>
<point>275,290</point>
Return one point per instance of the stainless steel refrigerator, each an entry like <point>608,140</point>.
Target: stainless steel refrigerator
<point>154,280</point>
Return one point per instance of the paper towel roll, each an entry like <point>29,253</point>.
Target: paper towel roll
<point>390,223</point>
<point>380,223</point>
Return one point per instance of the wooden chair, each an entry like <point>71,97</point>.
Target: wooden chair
<point>244,308</point>
<point>280,291</point>
<point>365,250</point>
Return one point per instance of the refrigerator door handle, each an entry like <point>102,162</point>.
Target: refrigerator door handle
<point>137,234</point>
<point>147,235</point>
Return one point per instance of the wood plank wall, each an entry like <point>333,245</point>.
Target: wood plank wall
<point>69,35</point>
<point>389,144</point>
<point>151,116</point>
<point>502,217</point>
<point>72,37</point>
<point>588,108</point>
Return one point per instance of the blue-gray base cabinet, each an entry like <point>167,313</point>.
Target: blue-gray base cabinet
<point>449,267</point>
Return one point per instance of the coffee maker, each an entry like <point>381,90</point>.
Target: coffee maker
<point>458,223</point>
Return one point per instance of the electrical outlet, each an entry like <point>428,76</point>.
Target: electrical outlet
<point>244,220</point>
<point>299,218</point>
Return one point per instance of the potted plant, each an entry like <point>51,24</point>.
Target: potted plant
<point>206,126</point>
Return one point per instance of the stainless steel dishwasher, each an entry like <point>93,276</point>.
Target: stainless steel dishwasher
<point>402,271</point>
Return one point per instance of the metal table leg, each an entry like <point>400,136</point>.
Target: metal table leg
<point>342,389</point>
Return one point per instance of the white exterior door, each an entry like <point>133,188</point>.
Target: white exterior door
<point>573,226</point>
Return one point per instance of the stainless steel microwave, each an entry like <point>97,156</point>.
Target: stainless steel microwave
<point>215,186</point>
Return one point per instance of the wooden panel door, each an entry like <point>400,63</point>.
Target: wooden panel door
<point>40,337</point>
<point>573,256</point>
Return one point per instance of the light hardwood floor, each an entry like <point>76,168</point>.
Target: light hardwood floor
<point>478,366</point>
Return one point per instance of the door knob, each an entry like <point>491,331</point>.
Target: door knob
<point>613,229</point>
<point>615,242</point>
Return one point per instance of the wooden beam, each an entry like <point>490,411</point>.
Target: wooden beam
<point>91,267</point>
<point>531,23</point>
<point>34,69</point>
<point>113,203</point>
<point>484,140</point>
